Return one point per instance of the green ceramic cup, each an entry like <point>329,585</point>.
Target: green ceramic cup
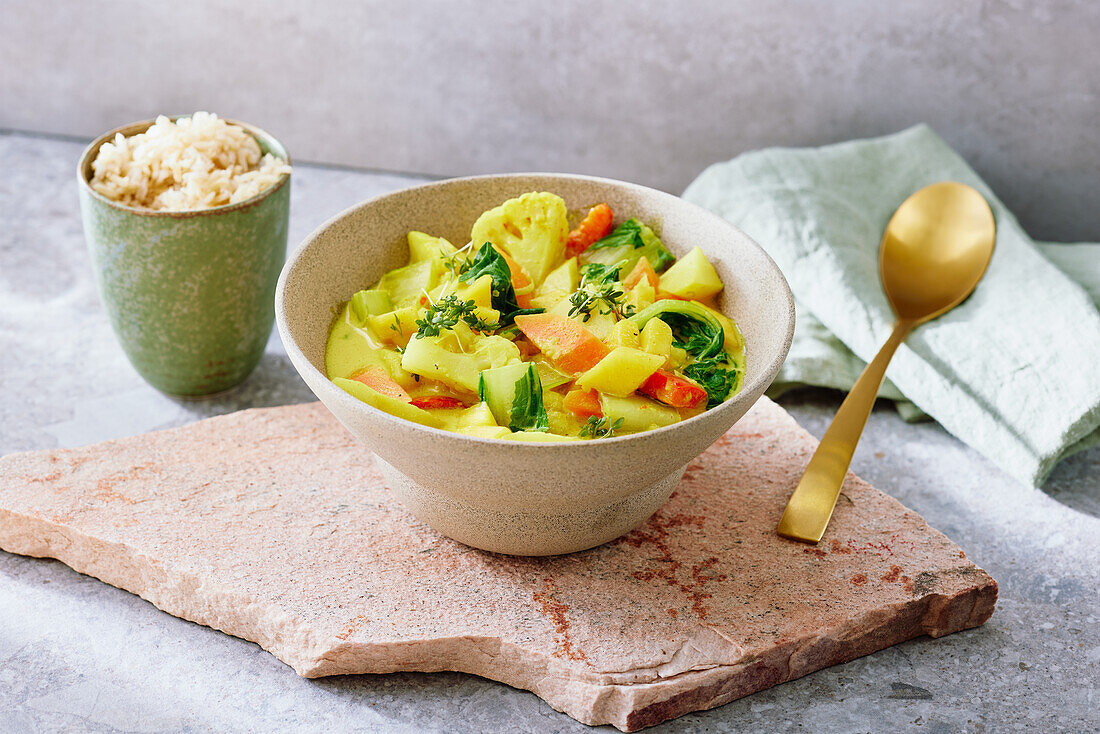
<point>190,295</point>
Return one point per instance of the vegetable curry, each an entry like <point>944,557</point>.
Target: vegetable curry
<point>539,331</point>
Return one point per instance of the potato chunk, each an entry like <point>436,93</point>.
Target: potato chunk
<point>621,372</point>
<point>692,276</point>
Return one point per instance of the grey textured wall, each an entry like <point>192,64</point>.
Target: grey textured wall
<point>647,91</point>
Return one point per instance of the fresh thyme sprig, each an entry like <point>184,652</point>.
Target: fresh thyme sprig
<point>596,427</point>
<point>458,262</point>
<point>447,312</point>
<point>599,285</point>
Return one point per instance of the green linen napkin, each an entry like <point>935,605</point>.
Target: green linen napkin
<point>1014,371</point>
<point>819,359</point>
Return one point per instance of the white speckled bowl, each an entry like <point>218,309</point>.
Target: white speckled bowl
<point>507,496</point>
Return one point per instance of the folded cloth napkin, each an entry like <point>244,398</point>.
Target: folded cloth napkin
<point>1014,371</point>
<point>819,359</point>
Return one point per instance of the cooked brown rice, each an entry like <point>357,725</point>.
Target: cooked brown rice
<point>197,162</point>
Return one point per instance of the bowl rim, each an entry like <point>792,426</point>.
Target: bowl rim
<point>767,375</point>
<point>84,166</point>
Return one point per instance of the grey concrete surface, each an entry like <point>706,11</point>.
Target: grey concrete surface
<point>78,655</point>
<point>647,91</point>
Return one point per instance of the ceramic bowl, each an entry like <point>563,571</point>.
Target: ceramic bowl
<point>506,496</point>
<point>188,293</point>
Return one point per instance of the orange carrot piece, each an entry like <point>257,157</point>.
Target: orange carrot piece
<point>595,226</point>
<point>568,345</point>
<point>583,403</point>
<point>642,270</point>
<point>437,401</point>
<point>379,380</point>
<point>673,390</point>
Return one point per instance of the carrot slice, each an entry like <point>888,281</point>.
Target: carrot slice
<point>380,381</point>
<point>642,270</point>
<point>595,226</point>
<point>583,403</point>
<point>437,401</point>
<point>568,345</point>
<point>670,389</point>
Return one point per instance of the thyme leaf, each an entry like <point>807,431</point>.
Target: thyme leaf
<point>597,427</point>
<point>458,262</point>
<point>600,291</point>
<point>447,312</point>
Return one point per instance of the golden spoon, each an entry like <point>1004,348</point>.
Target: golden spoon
<point>934,251</point>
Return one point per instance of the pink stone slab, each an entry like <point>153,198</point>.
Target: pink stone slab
<point>273,525</point>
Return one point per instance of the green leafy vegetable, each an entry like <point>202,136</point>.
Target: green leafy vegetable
<point>697,338</point>
<point>598,273</point>
<point>528,412</point>
<point>489,262</point>
<point>447,313</point>
<point>696,331</point>
<point>716,375</point>
<point>629,236</point>
<point>597,427</point>
<point>627,233</point>
<point>599,285</point>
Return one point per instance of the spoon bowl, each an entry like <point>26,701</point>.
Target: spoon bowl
<point>934,251</point>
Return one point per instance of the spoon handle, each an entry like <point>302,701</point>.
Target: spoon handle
<point>810,507</point>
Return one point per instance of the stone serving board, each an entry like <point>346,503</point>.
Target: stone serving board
<point>273,525</point>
